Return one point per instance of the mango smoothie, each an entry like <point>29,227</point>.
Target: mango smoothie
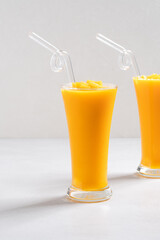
<point>148,98</point>
<point>89,107</point>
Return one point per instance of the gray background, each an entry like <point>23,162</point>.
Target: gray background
<point>30,99</point>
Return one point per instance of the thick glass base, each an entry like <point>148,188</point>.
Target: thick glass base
<point>79,195</point>
<point>148,172</point>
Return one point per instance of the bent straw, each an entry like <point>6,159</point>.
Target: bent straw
<point>59,59</point>
<point>127,57</point>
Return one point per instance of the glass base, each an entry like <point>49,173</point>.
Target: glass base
<point>148,172</point>
<point>79,195</point>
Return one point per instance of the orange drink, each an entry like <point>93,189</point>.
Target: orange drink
<point>89,107</point>
<point>148,98</point>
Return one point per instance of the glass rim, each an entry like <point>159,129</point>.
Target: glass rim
<point>106,86</point>
<point>145,79</point>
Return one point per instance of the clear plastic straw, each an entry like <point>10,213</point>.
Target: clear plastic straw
<point>126,59</point>
<point>59,59</point>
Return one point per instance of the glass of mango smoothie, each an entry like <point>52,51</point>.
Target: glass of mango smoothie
<point>148,98</point>
<point>89,107</point>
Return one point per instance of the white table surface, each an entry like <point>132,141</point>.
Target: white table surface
<point>34,176</point>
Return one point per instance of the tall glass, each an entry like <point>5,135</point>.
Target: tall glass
<point>148,98</point>
<point>89,114</point>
